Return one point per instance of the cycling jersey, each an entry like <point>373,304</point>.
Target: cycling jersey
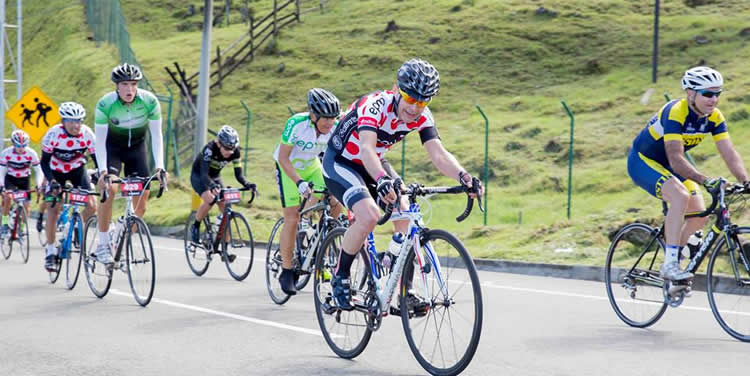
<point>125,125</point>
<point>208,165</point>
<point>301,135</point>
<point>67,152</point>
<point>18,165</point>
<point>376,112</point>
<point>676,121</point>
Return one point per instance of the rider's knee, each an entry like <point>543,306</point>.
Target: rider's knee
<point>367,217</point>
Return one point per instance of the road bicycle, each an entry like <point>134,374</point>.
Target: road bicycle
<point>237,249</point>
<point>434,268</point>
<point>309,238</point>
<point>640,296</point>
<point>130,239</point>
<point>18,226</point>
<point>69,244</point>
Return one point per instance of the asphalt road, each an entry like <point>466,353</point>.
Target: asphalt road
<point>213,325</point>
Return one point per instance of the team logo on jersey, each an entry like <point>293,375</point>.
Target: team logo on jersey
<point>336,142</point>
<point>114,121</point>
<point>375,107</point>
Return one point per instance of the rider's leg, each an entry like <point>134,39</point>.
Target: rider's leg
<point>205,206</point>
<point>6,208</point>
<point>288,235</point>
<point>695,204</point>
<point>52,214</point>
<point>677,196</point>
<point>104,211</point>
<point>366,213</point>
<point>140,204</point>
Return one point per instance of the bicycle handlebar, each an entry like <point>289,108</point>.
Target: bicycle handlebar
<point>219,196</point>
<point>416,189</point>
<point>717,195</point>
<point>304,200</point>
<point>68,188</point>
<point>160,175</point>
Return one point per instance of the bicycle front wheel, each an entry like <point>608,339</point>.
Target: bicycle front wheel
<point>728,284</point>
<point>273,264</point>
<point>98,275</point>
<point>139,256</point>
<point>22,233</point>
<point>631,275</point>
<point>73,262</point>
<point>346,333</point>
<point>197,256</point>
<point>442,311</point>
<point>238,251</point>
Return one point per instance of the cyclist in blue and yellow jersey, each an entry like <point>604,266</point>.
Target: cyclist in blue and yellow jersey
<point>657,160</point>
<point>305,137</point>
<point>123,117</point>
<point>354,168</point>
<point>205,174</point>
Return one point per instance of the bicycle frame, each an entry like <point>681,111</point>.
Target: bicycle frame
<point>411,242</point>
<point>324,206</point>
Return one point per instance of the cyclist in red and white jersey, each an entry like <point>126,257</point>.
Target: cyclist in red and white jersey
<point>16,163</point>
<point>354,168</point>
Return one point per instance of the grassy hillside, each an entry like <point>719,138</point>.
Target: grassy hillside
<point>509,57</point>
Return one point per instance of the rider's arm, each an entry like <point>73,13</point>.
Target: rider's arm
<point>389,169</point>
<point>38,175</point>
<point>732,159</point>
<point>368,138</point>
<point>204,163</point>
<point>154,127</point>
<point>286,165</point>
<point>3,171</point>
<point>238,169</point>
<point>46,170</point>
<point>443,159</point>
<point>101,146</point>
<point>680,165</point>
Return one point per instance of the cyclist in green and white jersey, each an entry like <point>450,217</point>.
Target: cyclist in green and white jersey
<point>123,117</point>
<point>305,137</point>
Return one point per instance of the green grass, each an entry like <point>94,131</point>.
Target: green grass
<point>515,64</point>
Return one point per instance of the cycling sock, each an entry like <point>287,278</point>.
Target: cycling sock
<point>345,264</point>
<point>4,220</point>
<point>103,237</point>
<point>671,253</point>
<point>197,224</point>
<point>51,249</point>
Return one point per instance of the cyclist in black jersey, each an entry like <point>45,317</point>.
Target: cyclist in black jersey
<point>205,174</point>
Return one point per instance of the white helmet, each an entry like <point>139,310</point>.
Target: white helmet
<point>699,78</point>
<point>72,110</point>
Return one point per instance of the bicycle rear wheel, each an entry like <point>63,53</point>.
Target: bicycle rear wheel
<point>197,256</point>
<point>631,275</point>
<point>273,264</point>
<point>443,317</point>
<point>240,246</point>
<point>728,284</point>
<point>22,233</point>
<point>73,262</point>
<point>141,265</point>
<point>98,275</point>
<point>346,333</point>
<point>5,246</point>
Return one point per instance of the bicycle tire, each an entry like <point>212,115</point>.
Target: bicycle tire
<point>325,264</point>
<point>143,291</point>
<point>98,275</point>
<point>643,286</point>
<point>273,265</point>
<point>22,233</point>
<point>197,257</point>
<point>304,278</point>
<point>237,227</point>
<point>729,298</point>
<point>5,245</point>
<point>435,314</point>
<point>73,262</point>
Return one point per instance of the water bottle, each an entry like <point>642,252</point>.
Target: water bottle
<point>12,218</point>
<point>395,247</point>
<point>693,245</point>
<point>305,233</point>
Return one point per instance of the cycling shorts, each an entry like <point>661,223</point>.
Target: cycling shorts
<point>651,175</point>
<point>288,191</point>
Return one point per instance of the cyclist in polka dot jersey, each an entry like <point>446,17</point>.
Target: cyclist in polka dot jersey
<point>64,159</point>
<point>15,170</point>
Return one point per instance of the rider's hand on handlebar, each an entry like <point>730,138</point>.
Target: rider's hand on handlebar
<point>712,184</point>
<point>465,179</point>
<point>303,188</point>
<point>385,190</point>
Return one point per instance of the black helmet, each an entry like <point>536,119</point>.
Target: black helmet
<point>323,103</point>
<point>228,137</point>
<point>126,72</point>
<point>419,79</point>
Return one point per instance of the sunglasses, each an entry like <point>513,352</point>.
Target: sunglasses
<point>227,148</point>
<point>408,99</point>
<point>709,93</point>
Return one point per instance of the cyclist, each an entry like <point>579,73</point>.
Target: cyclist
<point>353,164</point>
<point>64,159</point>
<point>204,176</point>
<point>123,117</point>
<point>15,171</point>
<point>305,136</point>
<point>657,164</point>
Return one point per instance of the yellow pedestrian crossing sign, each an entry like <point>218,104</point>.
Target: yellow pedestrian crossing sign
<point>35,113</point>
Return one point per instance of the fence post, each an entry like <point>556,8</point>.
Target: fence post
<point>252,38</point>
<point>296,3</point>
<point>486,160</point>
<point>275,11</point>
<point>291,112</point>
<point>218,65</point>
<point>570,154</point>
<point>247,136</point>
